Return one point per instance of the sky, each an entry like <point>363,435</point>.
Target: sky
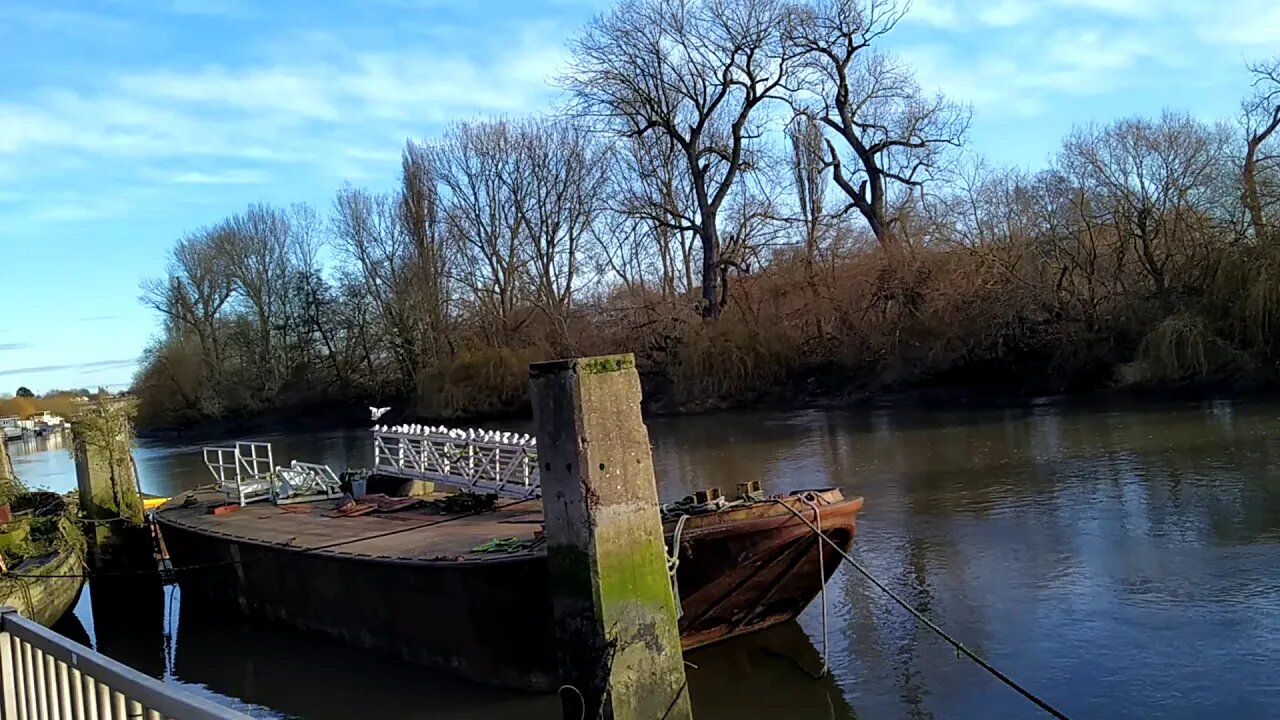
<point>125,123</point>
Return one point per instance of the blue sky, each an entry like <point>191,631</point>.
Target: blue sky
<point>124,123</point>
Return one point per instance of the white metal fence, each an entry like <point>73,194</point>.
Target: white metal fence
<point>480,461</point>
<point>44,676</point>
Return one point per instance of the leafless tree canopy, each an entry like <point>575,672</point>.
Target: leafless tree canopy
<point>693,202</point>
<point>697,75</point>
<point>886,137</point>
<point>1260,175</point>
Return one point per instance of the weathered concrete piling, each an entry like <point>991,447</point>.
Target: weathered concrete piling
<point>614,612</point>
<point>110,502</point>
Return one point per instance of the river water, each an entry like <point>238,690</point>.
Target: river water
<point>1119,561</point>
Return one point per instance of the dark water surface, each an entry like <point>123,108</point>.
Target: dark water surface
<point>1121,562</point>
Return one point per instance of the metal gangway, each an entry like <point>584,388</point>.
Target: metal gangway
<point>246,472</point>
<point>483,461</point>
<point>45,675</point>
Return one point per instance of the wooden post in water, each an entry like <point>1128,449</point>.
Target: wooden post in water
<point>109,498</point>
<point>618,642</point>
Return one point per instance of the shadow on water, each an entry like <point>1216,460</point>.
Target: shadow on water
<point>300,675</point>
<point>268,666</point>
<point>765,675</point>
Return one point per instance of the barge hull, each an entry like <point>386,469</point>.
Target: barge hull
<point>489,619</point>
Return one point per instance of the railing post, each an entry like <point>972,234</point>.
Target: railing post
<point>8,679</point>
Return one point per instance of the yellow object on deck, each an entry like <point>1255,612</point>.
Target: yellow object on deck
<point>151,503</point>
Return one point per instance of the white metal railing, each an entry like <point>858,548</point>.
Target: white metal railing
<point>44,675</point>
<point>243,471</point>
<point>487,461</point>
<point>246,473</point>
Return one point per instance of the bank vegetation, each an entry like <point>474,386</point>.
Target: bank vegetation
<point>759,201</point>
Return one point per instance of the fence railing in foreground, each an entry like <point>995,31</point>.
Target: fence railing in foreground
<point>44,675</point>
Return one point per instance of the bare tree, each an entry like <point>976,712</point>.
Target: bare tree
<point>256,250</point>
<point>565,172</point>
<point>193,294</point>
<point>651,189</point>
<point>695,72</point>
<point>889,135</point>
<point>1158,185</point>
<point>808,170</point>
<point>1261,120</point>
<point>367,229</point>
<point>423,228</point>
<point>476,168</point>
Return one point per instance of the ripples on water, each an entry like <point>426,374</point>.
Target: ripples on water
<point>1120,562</point>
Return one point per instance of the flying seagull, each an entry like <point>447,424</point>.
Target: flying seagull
<point>377,413</point>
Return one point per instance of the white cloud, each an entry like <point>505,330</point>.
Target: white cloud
<point>304,111</point>
<point>219,177</point>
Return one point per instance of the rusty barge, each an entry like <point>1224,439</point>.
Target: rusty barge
<point>436,582</point>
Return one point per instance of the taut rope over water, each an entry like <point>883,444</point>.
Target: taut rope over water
<point>959,646</point>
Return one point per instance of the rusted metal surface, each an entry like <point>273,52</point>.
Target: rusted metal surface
<point>425,595</point>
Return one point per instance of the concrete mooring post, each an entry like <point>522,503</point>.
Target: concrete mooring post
<point>614,613</point>
<point>110,502</point>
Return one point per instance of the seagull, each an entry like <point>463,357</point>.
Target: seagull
<point>376,412</point>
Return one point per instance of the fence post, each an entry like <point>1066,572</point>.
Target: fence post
<point>8,681</point>
<point>618,642</point>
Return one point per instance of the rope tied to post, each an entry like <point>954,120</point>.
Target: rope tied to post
<point>959,646</point>
<point>673,564</point>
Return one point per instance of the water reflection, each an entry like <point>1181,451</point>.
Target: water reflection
<point>1119,560</point>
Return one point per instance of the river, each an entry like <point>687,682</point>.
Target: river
<point>1119,561</point>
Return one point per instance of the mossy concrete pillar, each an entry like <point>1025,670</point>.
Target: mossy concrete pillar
<point>110,501</point>
<point>6,467</point>
<point>8,481</point>
<point>618,642</point>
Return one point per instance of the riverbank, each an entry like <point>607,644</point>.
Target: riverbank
<point>809,393</point>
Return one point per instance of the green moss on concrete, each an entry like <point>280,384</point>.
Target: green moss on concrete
<point>607,364</point>
<point>635,572</point>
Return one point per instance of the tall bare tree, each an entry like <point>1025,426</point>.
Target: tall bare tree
<point>1260,174</point>
<point>193,294</point>
<point>808,170</point>
<point>428,262</point>
<point>565,173</point>
<point>479,178</point>
<point>257,249</point>
<point>886,136</point>
<point>650,188</point>
<point>367,228</point>
<point>696,72</point>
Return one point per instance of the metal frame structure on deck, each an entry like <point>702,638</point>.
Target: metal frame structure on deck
<point>509,469</point>
<point>246,473</point>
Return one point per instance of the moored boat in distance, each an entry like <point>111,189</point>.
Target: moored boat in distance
<point>459,580</point>
<point>10,429</point>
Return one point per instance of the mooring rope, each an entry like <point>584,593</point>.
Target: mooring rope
<point>807,498</point>
<point>959,646</point>
<point>673,564</point>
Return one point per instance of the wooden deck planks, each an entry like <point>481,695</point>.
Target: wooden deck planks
<point>306,527</point>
